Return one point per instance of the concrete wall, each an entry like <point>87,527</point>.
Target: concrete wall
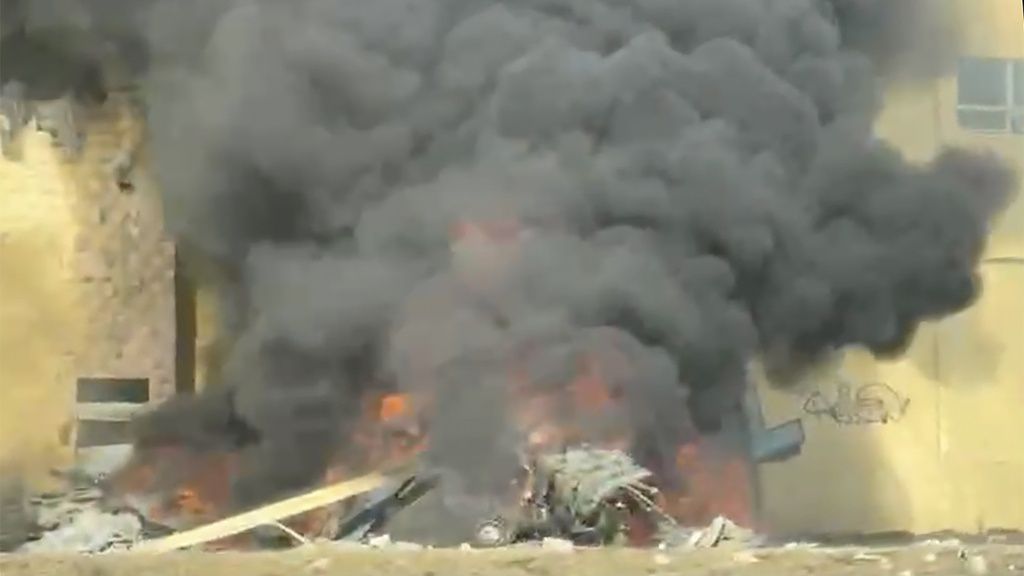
<point>86,279</point>
<point>954,458</point>
<point>86,289</point>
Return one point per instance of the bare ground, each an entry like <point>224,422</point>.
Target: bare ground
<point>917,560</point>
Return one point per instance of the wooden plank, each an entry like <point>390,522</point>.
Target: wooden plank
<point>264,515</point>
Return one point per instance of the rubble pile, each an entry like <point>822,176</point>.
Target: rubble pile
<point>90,530</point>
<point>80,520</point>
<point>581,496</point>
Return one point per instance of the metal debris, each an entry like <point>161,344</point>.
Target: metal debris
<point>720,532</point>
<point>75,521</point>
<point>381,505</point>
<point>584,495</point>
<point>90,531</point>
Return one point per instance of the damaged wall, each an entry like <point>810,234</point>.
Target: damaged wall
<point>869,469</point>
<point>931,441</point>
<point>87,284</point>
<point>39,323</point>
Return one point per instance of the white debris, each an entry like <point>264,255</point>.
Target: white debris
<point>721,531</point>
<point>89,531</point>
<point>382,541</point>
<point>795,545</point>
<point>930,557</point>
<point>465,547</point>
<point>557,545</point>
<point>490,534</point>
<point>745,557</point>
<point>662,559</point>
<point>977,565</point>
<point>346,545</point>
<point>318,566</point>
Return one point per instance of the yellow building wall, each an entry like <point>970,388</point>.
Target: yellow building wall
<point>39,324</point>
<point>954,460</point>
<point>86,284</point>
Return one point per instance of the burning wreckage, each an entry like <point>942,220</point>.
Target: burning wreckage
<point>439,224</point>
<point>581,494</point>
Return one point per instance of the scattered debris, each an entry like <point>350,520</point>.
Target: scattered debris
<point>318,566</point>
<point>492,533</point>
<point>79,519</point>
<point>380,506</point>
<point>557,545</point>
<point>720,531</point>
<point>584,495</point>
<point>265,514</point>
<point>977,565</point>
<point>407,547</point>
<point>745,557</point>
<point>299,538</point>
<point>865,557</point>
<point>795,545</point>
<point>90,531</point>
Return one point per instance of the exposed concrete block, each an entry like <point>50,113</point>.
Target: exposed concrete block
<point>59,118</point>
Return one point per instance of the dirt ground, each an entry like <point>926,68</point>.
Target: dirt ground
<point>916,560</point>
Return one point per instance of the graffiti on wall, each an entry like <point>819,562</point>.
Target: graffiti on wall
<point>852,404</point>
<point>858,404</point>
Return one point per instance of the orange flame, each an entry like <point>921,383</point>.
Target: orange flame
<point>394,406</point>
<point>391,430</point>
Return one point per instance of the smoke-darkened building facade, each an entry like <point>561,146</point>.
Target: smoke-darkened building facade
<point>100,294</point>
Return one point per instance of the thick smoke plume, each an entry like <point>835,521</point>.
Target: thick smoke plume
<point>693,183</point>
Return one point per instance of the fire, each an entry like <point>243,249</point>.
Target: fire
<point>717,484</point>
<point>188,501</point>
<point>587,408</point>
<point>502,231</point>
<point>393,407</point>
<point>590,391</point>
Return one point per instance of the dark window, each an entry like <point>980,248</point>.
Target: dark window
<point>112,390</point>
<point>981,82</point>
<point>990,95</point>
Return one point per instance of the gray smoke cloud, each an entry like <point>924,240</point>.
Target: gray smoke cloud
<point>694,183</point>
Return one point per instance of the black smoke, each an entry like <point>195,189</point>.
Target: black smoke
<point>698,182</point>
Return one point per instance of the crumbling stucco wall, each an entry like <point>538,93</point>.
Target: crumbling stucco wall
<point>932,441</point>
<point>86,274</point>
